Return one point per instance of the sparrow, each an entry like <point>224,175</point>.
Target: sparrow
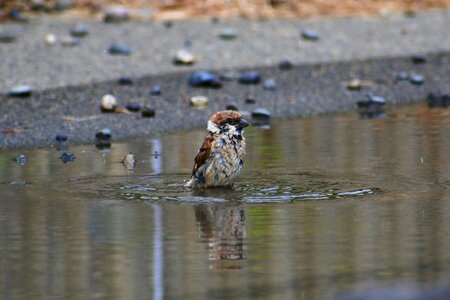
<point>220,158</point>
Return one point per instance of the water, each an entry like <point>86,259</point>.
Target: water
<point>325,205</point>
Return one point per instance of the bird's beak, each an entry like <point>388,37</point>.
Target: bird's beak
<point>243,123</point>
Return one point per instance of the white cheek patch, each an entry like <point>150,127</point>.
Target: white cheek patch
<point>212,127</point>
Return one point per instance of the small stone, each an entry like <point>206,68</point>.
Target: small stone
<point>269,85</point>
<point>215,20</point>
<point>261,116</point>
<point>371,108</point>
<point>125,80</point>
<point>103,138</point>
<point>199,101</point>
<point>61,138</point>
<point>51,39</point>
<point>20,90</point>
<point>354,85</point>
<point>7,37</point>
<point>21,159</point>
<point>116,14</point>
<point>231,107</point>
<point>119,49</point>
<point>435,100</point>
<point>184,57</point>
<point>402,76</point>
<point>15,14</point>
<point>61,5</point>
<point>70,41</point>
<point>108,104</point>
<point>250,99</point>
<point>79,31</point>
<point>133,106</point>
<point>168,24</point>
<point>67,157</point>
<point>310,35</point>
<point>250,77</point>
<point>416,79</point>
<point>147,112</point>
<point>129,161</point>
<point>155,90</point>
<point>228,34</point>
<point>285,65</point>
<point>204,79</point>
<point>372,101</point>
<point>418,59</point>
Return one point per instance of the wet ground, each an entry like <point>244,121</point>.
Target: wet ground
<point>325,206</point>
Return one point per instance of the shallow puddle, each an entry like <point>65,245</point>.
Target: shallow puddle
<point>325,205</point>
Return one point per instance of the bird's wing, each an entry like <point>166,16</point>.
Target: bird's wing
<point>203,153</point>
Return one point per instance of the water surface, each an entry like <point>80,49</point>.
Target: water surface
<point>325,205</point>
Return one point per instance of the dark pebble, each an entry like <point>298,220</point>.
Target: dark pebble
<point>133,106</point>
<point>7,37</point>
<point>285,65</point>
<point>250,77</point>
<point>402,76</point>
<point>270,85</point>
<point>20,91</point>
<point>125,80</point>
<point>310,35</point>
<point>372,102</point>
<point>119,49</point>
<point>435,100</point>
<point>148,112</point>
<point>67,157</point>
<point>250,99</point>
<point>21,159</point>
<point>79,31</point>
<point>231,107</point>
<point>15,14</point>
<point>417,79</point>
<point>116,14</point>
<point>168,24</point>
<point>228,34</point>
<point>215,20</point>
<point>261,116</point>
<point>204,79</point>
<point>103,138</point>
<point>155,90</point>
<point>418,59</point>
<point>61,138</point>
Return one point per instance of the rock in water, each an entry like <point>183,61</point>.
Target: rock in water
<point>67,157</point>
<point>129,161</point>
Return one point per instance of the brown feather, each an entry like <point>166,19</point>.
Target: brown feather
<point>203,153</point>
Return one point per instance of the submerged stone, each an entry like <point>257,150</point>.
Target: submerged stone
<point>119,49</point>
<point>310,35</point>
<point>250,77</point>
<point>155,90</point>
<point>133,106</point>
<point>79,31</point>
<point>129,161</point>
<point>228,34</point>
<point>436,100</point>
<point>250,99</point>
<point>21,159</point>
<point>261,116</point>
<point>125,80</point>
<point>269,85</point>
<point>148,112</point>
<point>21,90</point>
<point>103,138</point>
<point>199,101</point>
<point>116,14</point>
<point>204,79</point>
<point>416,79</point>
<point>372,107</point>
<point>67,157</point>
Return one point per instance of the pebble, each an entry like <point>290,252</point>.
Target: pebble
<point>116,14</point>
<point>285,65</point>
<point>119,49</point>
<point>168,24</point>
<point>79,31</point>
<point>204,79</point>
<point>354,85</point>
<point>261,116</point>
<point>61,138</point>
<point>103,138</point>
<point>199,101</point>
<point>129,161</point>
<point>250,77</point>
<point>419,59</point>
<point>15,14</point>
<point>21,159</point>
<point>155,90</point>
<point>67,157</point>
<point>69,41</point>
<point>310,35</point>
<point>416,79</point>
<point>20,90</point>
<point>402,76</point>
<point>184,57</point>
<point>125,80</point>
<point>50,39</point>
<point>228,34</point>
<point>147,112</point>
<point>269,84</point>
<point>7,37</point>
<point>108,104</point>
<point>371,108</point>
<point>61,5</point>
<point>227,76</point>
<point>250,99</point>
<point>435,100</point>
<point>133,106</point>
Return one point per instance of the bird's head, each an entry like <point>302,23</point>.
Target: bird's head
<point>227,121</point>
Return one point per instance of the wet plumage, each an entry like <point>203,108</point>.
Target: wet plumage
<point>220,158</point>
